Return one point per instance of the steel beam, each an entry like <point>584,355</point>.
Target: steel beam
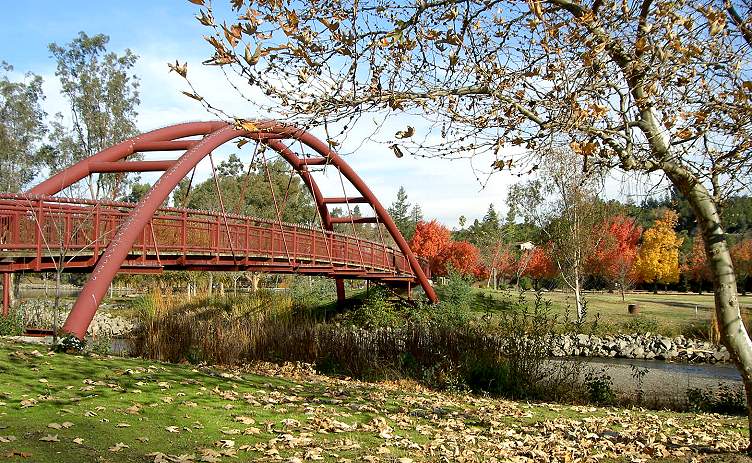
<point>355,220</point>
<point>314,161</point>
<point>343,200</point>
<point>129,166</point>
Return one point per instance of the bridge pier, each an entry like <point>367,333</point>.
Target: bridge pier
<point>340,285</point>
<point>6,294</point>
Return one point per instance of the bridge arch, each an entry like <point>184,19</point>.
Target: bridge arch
<point>213,135</point>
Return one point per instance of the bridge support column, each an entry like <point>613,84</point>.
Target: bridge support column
<point>6,294</point>
<point>340,284</point>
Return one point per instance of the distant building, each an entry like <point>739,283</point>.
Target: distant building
<point>525,246</point>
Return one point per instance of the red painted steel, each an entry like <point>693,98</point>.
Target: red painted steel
<point>129,166</point>
<point>178,239</point>
<point>132,233</point>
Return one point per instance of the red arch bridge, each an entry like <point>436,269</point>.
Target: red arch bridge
<point>42,231</point>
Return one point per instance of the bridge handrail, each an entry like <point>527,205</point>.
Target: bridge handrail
<point>194,213</point>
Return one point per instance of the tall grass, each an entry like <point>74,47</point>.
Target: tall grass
<point>379,339</point>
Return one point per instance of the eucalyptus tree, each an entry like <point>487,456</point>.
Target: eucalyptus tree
<point>102,94</point>
<point>21,129</point>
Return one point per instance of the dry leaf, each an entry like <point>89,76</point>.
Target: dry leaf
<point>118,447</point>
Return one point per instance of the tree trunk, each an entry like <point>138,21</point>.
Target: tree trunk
<point>578,297</point>
<point>733,333</point>
<point>210,286</point>
<point>56,307</point>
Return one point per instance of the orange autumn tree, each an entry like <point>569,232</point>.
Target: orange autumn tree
<point>658,258</point>
<point>696,266</point>
<point>429,240</point>
<point>463,257</point>
<point>539,265</point>
<point>614,256</point>
<point>741,253</point>
<point>433,242</point>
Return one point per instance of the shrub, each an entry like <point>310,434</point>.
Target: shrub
<point>382,338</point>
<point>101,345</point>
<point>12,325</point>
<point>599,387</point>
<point>526,330</point>
<point>723,399</point>
<point>70,344</point>
<point>641,325</point>
<point>376,311</point>
<point>454,301</point>
<point>698,329</point>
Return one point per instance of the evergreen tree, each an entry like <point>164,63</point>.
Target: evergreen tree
<point>491,219</point>
<point>400,212</point>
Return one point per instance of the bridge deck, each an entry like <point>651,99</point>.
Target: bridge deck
<point>36,232</point>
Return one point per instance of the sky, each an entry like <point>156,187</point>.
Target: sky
<point>161,31</point>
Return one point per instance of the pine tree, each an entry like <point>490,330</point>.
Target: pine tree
<point>491,219</point>
<point>400,212</point>
<point>416,215</point>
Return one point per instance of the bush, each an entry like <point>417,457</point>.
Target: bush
<point>101,345</point>
<point>527,330</point>
<point>641,325</point>
<point>454,301</point>
<point>698,329</point>
<point>526,283</point>
<point>599,387</point>
<point>723,399</point>
<point>376,310</point>
<point>69,344</point>
<point>12,325</point>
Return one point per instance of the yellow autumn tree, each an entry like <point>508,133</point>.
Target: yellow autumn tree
<point>658,258</point>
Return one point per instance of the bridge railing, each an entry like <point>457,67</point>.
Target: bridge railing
<point>41,226</point>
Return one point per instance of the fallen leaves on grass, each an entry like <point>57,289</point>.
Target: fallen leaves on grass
<point>118,447</point>
<point>308,417</point>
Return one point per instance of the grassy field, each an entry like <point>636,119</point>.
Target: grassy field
<point>671,313</point>
<point>58,407</point>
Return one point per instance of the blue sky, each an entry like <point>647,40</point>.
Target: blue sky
<point>162,31</point>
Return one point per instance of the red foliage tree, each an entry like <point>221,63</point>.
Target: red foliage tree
<point>615,254</point>
<point>742,255</point>
<point>433,242</point>
<point>505,262</point>
<point>696,266</point>
<point>430,240</point>
<point>539,264</point>
<point>463,257</point>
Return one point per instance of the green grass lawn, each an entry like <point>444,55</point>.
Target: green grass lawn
<point>58,407</point>
<point>673,313</point>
